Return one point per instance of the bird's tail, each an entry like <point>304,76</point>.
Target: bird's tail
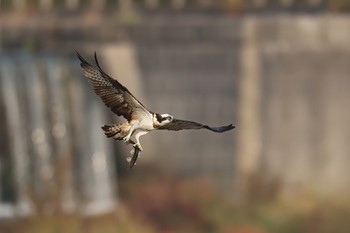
<point>111,130</point>
<point>117,131</point>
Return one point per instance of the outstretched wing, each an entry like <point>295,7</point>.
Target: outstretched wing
<point>115,96</point>
<point>182,124</point>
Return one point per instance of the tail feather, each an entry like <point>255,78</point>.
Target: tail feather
<point>112,131</point>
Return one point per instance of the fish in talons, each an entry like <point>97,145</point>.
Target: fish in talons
<point>135,154</point>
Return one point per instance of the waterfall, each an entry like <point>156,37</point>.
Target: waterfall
<point>59,156</point>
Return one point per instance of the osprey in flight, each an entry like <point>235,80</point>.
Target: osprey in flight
<point>140,120</point>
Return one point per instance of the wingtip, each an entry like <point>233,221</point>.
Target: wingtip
<point>82,60</point>
<point>228,127</point>
<point>95,56</point>
<point>222,128</point>
<point>97,63</point>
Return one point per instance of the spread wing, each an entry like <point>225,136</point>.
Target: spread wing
<point>114,95</point>
<point>182,124</point>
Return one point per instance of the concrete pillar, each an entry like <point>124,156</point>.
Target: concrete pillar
<point>248,126</point>
<point>120,62</point>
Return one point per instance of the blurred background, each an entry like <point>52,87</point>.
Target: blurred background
<point>277,69</point>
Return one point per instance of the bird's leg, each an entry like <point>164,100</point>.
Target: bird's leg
<point>126,139</point>
<point>137,137</point>
<point>131,142</point>
<point>137,144</point>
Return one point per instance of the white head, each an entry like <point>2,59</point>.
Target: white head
<point>162,119</point>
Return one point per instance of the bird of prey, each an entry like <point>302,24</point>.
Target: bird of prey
<point>140,120</point>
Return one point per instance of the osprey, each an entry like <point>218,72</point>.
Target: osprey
<point>140,120</point>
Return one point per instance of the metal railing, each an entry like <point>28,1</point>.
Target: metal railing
<point>46,5</point>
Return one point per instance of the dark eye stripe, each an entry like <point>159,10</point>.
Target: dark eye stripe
<point>159,118</point>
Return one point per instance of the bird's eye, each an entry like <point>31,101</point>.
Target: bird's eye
<point>170,118</point>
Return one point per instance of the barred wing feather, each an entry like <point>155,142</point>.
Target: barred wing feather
<point>183,124</point>
<point>114,95</point>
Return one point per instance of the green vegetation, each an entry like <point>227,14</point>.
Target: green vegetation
<point>159,203</point>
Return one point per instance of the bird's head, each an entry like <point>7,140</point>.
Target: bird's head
<point>162,119</point>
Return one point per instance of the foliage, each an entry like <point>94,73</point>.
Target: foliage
<point>155,202</point>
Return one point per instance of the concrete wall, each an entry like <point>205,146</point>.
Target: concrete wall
<point>304,112</point>
<point>190,68</point>
<point>283,80</point>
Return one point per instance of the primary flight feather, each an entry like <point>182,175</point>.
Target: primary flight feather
<point>140,120</point>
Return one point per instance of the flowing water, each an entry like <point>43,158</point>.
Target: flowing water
<point>55,153</point>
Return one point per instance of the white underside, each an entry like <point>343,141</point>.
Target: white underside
<point>141,127</point>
